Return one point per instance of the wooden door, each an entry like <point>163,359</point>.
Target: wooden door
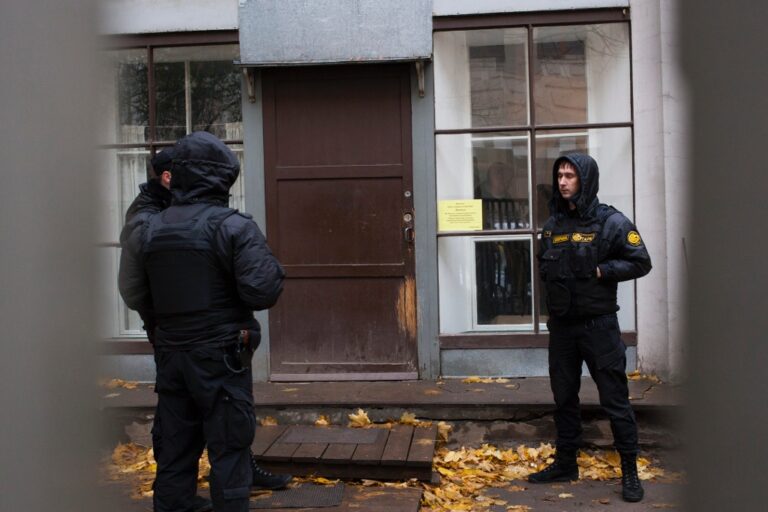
<point>340,219</point>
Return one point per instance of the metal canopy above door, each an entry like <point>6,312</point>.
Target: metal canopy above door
<point>297,32</point>
<point>338,169</point>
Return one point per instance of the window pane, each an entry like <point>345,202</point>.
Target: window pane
<point>481,78</point>
<point>493,167</point>
<point>485,283</point>
<point>581,74</point>
<point>198,88</point>
<point>170,107</point>
<point>125,103</point>
<point>503,283</point>
<point>216,104</point>
<point>610,147</point>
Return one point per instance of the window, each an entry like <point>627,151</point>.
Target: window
<point>151,97</point>
<point>508,102</point>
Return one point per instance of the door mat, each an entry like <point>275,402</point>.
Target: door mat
<point>301,496</point>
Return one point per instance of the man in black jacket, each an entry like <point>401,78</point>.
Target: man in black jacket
<point>199,269</point>
<point>586,249</point>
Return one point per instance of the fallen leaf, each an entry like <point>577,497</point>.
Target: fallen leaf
<point>444,430</point>
<point>289,390</point>
<point>111,395</point>
<point>359,419</point>
<point>269,421</point>
<point>565,495</point>
<point>433,392</point>
<point>322,421</point>
<point>408,418</point>
<point>119,383</point>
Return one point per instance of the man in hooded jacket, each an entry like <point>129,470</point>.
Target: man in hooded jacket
<point>200,269</point>
<point>586,249</point>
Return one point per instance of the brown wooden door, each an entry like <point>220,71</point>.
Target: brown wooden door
<point>340,219</point>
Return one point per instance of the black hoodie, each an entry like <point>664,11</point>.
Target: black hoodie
<point>575,243</point>
<point>243,275</point>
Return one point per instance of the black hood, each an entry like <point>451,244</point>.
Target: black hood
<point>589,179</point>
<point>203,168</point>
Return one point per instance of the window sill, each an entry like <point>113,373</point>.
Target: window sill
<point>508,340</point>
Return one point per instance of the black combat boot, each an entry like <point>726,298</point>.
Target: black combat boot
<point>631,489</point>
<point>564,469</point>
<point>263,479</point>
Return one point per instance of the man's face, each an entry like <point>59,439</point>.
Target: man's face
<point>567,180</point>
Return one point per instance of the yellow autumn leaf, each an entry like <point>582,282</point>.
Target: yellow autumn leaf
<point>565,495</point>
<point>322,421</point>
<point>359,419</point>
<point>119,383</point>
<point>408,418</point>
<point>269,421</point>
<point>324,481</point>
<point>443,430</point>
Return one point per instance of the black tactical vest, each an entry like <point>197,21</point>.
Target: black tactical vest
<point>570,266</point>
<point>181,262</point>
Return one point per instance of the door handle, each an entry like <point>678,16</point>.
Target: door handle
<point>409,234</point>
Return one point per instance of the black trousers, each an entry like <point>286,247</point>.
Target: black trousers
<point>201,401</point>
<point>595,341</point>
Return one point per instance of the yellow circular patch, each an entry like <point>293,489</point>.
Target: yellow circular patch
<point>576,237</point>
<point>634,238</point>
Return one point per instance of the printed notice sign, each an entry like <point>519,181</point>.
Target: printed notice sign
<point>460,215</point>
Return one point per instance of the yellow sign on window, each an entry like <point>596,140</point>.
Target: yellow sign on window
<point>460,215</point>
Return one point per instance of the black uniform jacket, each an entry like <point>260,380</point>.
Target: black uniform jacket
<point>245,275</point>
<point>575,243</point>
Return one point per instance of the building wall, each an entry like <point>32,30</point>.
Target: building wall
<point>152,16</point>
<point>661,159</point>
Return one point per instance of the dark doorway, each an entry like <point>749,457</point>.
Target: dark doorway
<point>340,218</point>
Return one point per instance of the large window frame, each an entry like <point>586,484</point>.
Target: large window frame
<point>537,337</point>
<point>135,343</point>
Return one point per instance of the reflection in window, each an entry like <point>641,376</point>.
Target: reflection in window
<point>132,99</point>
<point>503,280</point>
<point>216,99</point>
<point>492,90</point>
<point>500,175</point>
<point>581,74</point>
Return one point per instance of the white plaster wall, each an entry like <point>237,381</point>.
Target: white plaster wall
<point>152,16</point>
<point>453,7</point>
<point>676,171</point>
<point>660,181</point>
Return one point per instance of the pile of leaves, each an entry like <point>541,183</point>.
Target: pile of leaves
<point>467,473</point>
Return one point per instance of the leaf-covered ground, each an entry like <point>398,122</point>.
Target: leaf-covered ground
<point>469,475</point>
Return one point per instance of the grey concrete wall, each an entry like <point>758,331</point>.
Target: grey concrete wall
<point>425,216</point>
<point>527,362</point>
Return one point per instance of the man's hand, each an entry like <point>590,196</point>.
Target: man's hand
<point>597,272</point>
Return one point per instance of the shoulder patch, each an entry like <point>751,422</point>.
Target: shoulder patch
<point>633,237</point>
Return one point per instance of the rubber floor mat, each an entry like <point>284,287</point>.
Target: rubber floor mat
<point>301,496</point>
